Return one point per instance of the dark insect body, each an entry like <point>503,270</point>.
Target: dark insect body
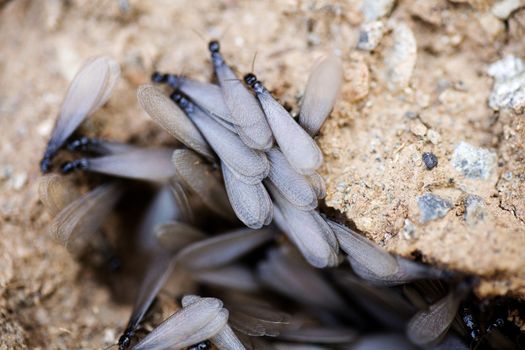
<point>125,340</point>
<point>204,345</point>
<point>470,322</point>
<point>77,164</point>
<point>252,81</point>
<point>81,144</point>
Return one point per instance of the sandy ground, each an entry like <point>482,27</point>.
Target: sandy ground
<point>423,88</point>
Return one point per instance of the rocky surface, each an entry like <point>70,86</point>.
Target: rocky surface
<point>461,102</point>
<point>421,82</point>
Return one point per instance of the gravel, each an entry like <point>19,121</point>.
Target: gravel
<point>430,160</point>
<point>508,91</point>
<point>474,209</point>
<point>432,207</point>
<point>473,162</point>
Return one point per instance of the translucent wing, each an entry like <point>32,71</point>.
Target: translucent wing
<point>389,341</point>
<point>297,146</point>
<point>251,203</point>
<point>384,304</point>
<point>226,125</point>
<point>207,96</point>
<point>364,252</point>
<point>175,235</point>
<point>299,281</point>
<point>164,208</point>
<point>196,322</point>
<point>108,147</point>
<point>246,113</point>
<point>230,148</point>
<point>222,249</point>
<point>157,272</point>
<point>215,326</point>
<point>99,146</point>
<point>185,210</point>
<point>227,340</point>
<point>258,319</point>
<point>233,277</point>
<point>320,94</point>
<point>428,326</point>
<point>166,113</point>
<point>250,180</point>
<point>149,164</point>
<point>199,177</point>
<point>298,346</point>
<point>56,192</point>
<point>407,271</point>
<point>321,335</point>
<point>307,229</point>
<point>90,89</point>
<point>83,216</point>
<point>376,265</point>
<point>293,186</point>
<point>453,342</point>
<point>256,343</point>
<point>318,184</point>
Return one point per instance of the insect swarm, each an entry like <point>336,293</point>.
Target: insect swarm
<point>245,164</point>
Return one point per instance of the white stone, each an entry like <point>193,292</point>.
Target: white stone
<point>370,35</point>
<point>400,59</point>
<point>433,136</point>
<point>473,162</point>
<point>509,84</point>
<point>506,68</point>
<point>18,181</point>
<point>374,9</point>
<point>503,9</point>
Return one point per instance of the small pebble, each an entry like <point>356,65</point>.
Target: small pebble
<point>358,78</point>
<point>509,84</point>
<point>491,25</point>
<point>400,59</point>
<point>41,316</point>
<point>341,186</point>
<point>503,9</point>
<point>53,12</point>
<point>418,128</point>
<point>473,162</point>
<point>422,99</point>
<point>430,160</point>
<point>6,172</point>
<point>44,129</point>
<point>443,84</point>
<point>433,136</point>
<point>506,68</point>
<point>432,207</point>
<point>428,11</point>
<point>411,114</point>
<point>370,35</point>
<point>409,230</point>
<point>474,209</point>
<point>18,181</point>
<point>109,336</point>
